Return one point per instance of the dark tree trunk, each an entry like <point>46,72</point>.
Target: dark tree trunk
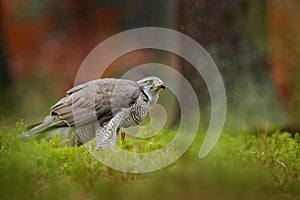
<point>234,34</point>
<point>5,77</point>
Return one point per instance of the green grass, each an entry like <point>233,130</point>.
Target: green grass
<point>246,166</point>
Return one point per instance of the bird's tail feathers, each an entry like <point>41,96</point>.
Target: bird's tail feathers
<point>48,123</point>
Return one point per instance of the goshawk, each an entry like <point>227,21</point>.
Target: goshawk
<point>99,109</point>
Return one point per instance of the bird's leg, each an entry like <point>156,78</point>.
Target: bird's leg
<point>106,137</point>
<point>123,134</point>
<point>78,143</point>
<point>101,136</point>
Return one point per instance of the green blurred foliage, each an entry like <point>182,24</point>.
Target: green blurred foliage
<point>243,167</point>
<point>29,99</point>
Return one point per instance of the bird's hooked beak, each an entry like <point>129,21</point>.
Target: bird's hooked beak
<point>161,86</point>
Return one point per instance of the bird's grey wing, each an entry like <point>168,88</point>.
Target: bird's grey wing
<point>96,100</point>
<point>81,86</point>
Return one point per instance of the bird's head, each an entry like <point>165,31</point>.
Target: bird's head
<point>151,85</point>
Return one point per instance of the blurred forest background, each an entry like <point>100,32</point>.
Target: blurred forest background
<point>255,44</point>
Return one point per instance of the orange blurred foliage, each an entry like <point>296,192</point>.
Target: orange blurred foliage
<point>284,51</point>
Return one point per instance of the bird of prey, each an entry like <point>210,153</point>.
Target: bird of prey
<point>98,109</point>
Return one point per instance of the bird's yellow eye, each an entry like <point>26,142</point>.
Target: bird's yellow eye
<point>149,82</point>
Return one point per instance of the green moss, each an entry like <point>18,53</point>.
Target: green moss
<point>240,167</point>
